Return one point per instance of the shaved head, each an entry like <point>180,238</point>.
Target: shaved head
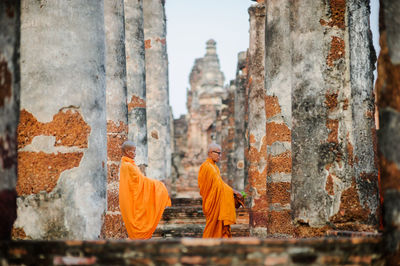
<point>213,146</point>
<point>127,145</point>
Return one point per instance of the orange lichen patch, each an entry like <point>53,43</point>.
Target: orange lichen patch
<point>147,44</point>
<point>350,151</point>
<point>333,126</point>
<point>390,174</point>
<point>345,104</point>
<point>113,227</point>
<point>337,50</point>
<point>338,13</point>
<point>40,171</point>
<point>18,233</point>
<point>272,106</point>
<point>163,41</point>
<point>113,127</point>
<point>114,143</point>
<point>136,102</point>
<point>279,192</point>
<point>154,134</point>
<point>329,185</point>
<point>113,172</point>
<point>388,82</point>
<point>5,82</point>
<point>277,132</point>
<point>350,209</point>
<point>304,230</point>
<point>240,165</point>
<point>112,200</point>
<point>67,126</point>
<point>281,163</point>
<point>252,139</point>
<point>369,114</point>
<point>331,100</point>
<point>280,222</point>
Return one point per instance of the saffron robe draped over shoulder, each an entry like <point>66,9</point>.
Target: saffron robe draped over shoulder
<point>142,200</point>
<point>218,201</point>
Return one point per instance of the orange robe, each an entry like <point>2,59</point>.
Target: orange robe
<point>218,201</point>
<point>142,200</point>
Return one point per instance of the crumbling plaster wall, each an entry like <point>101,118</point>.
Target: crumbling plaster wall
<point>62,152</point>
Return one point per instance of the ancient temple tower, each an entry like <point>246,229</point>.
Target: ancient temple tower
<point>204,99</point>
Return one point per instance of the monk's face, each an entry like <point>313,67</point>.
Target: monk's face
<point>215,154</point>
<point>130,152</point>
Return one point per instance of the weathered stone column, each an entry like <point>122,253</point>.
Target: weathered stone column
<point>9,112</point>
<point>334,178</point>
<point>257,150</point>
<point>117,122</point>
<point>278,112</point>
<point>62,130</point>
<point>136,79</point>
<point>388,92</point>
<point>239,117</point>
<point>157,96</point>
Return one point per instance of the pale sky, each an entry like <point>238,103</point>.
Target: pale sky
<point>190,23</point>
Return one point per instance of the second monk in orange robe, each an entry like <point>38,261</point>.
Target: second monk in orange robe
<point>142,200</point>
<point>218,199</point>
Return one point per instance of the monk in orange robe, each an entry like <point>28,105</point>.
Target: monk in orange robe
<point>142,200</point>
<point>218,197</point>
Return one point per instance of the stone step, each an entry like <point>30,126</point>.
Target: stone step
<point>186,202</point>
<point>194,230</point>
<point>194,215</point>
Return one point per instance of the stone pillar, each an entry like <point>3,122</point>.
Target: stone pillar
<point>62,142</point>
<point>334,178</point>
<point>117,122</point>
<point>158,124</point>
<point>9,111</point>
<point>226,132</point>
<point>257,150</point>
<point>278,112</point>
<point>239,116</point>
<point>388,93</point>
<point>136,79</point>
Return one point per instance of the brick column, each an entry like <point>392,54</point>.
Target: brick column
<point>9,112</point>
<point>136,79</point>
<point>388,93</point>
<point>334,178</point>
<point>158,120</point>
<point>117,122</point>
<point>278,113</point>
<point>257,150</point>
<point>62,153</point>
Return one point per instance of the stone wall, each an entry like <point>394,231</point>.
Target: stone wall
<point>9,112</point>
<point>189,251</point>
<point>388,94</point>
